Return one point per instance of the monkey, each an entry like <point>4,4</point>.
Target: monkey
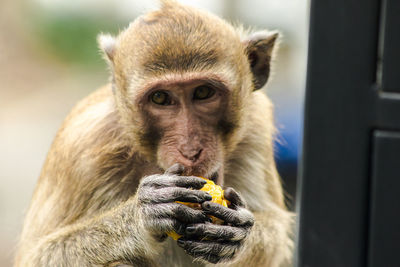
<point>183,102</point>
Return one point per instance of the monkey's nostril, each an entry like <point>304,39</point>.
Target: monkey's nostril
<point>197,156</point>
<point>191,155</point>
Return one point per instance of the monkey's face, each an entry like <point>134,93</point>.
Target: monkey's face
<point>183,80</point>
<point>186,121</point>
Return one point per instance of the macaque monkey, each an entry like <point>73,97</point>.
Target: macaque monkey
<point>183,102</point>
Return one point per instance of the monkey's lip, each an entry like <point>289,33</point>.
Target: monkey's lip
<point>201,171</point>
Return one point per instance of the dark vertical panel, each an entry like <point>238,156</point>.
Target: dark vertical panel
<point>387,115</point>
<point>391,46</point>
<point>334,173</point>
<point>385,200</point>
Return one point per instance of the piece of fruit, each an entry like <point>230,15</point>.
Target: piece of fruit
<point>217,197</point>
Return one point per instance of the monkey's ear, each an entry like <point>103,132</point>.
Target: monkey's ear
<point>259,48</point>
<point>107,44</point>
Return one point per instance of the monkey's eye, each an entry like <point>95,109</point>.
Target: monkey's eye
<point>160,98</point>
<point>203,92</point>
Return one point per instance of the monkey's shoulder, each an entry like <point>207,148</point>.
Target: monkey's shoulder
<point>101,99</point>
<point>91,124</point>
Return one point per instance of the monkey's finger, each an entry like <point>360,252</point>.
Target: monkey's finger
<point>214,231</point>
<point>188,195</point>
<point>212,257</point>
<point>166,225</point>
<point>188,215</point>
<point>171,194</point>
<point>234,197</point>
<point>239,217</point>
<point>192,182</point>
<point>173,180</point>
<point>177,211</point>
<point>176,169</point>
<point>206,248</point>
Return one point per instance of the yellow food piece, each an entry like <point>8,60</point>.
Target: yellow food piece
<point>217,197</point>
<point>174,235</point>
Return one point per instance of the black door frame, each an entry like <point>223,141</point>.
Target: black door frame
<point>352,116</point>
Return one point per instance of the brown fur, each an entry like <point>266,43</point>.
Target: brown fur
<point>81,212</point>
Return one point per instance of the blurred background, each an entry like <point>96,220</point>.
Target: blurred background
<point>49,60</point>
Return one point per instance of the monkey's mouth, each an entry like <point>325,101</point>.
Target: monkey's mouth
<point>214,173</point>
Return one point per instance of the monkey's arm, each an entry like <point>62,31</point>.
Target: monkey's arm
<point>239,242</point>
<point>269,242</point>
<point>130,233</point>
<point>110,237</point>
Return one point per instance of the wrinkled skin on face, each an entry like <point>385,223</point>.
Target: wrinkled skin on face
<point>188,124</point>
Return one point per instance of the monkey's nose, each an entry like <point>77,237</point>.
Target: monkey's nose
<point>192,155</point>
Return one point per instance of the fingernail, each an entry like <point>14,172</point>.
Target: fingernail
<point>209,219</point>
<point>181,243</point>
<point>206,205</point>
<point>208,197</point>
<point>190,230</point>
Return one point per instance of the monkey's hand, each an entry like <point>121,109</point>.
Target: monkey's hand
<point>218,243</point>
<point>158,210</point>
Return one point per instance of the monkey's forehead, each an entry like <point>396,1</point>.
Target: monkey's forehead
<point>179,38</point>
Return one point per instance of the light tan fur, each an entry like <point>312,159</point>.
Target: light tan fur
<point>81,212</point>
